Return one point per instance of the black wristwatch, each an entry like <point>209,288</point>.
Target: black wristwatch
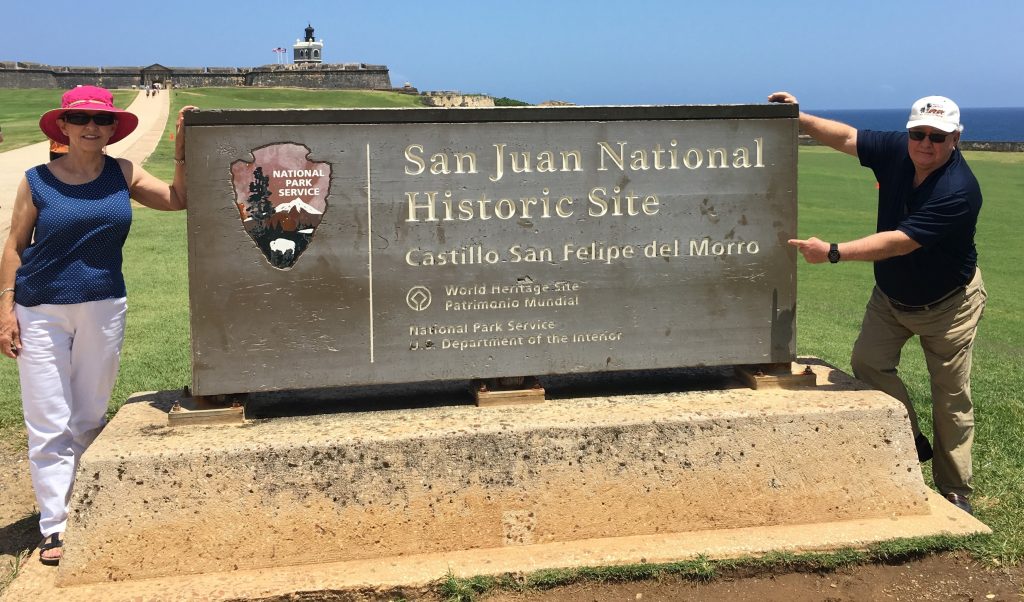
<point>833,253</point>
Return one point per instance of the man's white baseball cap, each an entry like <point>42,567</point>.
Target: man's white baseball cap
<point>938,112</point>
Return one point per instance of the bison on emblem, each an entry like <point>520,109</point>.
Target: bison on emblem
<point>281,198</point>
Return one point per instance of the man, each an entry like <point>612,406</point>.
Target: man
<point>926,278</point>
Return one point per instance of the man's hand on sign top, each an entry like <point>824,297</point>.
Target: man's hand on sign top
<point>783,97</point>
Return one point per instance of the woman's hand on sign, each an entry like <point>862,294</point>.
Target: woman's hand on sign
<point>179,132</point>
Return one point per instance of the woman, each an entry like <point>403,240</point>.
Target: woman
<point>62,305</point>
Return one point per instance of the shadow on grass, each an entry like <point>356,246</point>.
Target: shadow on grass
<point>21,535</point>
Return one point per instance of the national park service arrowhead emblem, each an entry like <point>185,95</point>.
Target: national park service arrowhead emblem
<point>281,197</point>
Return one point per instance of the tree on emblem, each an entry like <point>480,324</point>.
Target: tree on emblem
<point>259,205</point>
<point>281,197</point>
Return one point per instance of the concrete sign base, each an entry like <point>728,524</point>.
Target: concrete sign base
<point>370,499</point>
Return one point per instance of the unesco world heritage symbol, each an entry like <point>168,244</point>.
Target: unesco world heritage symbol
<point>418,298</point>
<point>281,198</point>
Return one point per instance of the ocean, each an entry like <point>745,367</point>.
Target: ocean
<point>982,125</point>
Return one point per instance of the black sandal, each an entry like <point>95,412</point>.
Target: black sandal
<point>51,542</point>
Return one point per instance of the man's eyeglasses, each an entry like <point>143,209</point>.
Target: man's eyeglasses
<point>84,118</point>
<point>919,136</point>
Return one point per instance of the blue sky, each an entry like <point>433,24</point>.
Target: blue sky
<point>832,55</point>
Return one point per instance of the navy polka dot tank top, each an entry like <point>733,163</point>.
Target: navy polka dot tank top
<point>75,256</point>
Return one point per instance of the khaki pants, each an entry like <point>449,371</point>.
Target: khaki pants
<point>947,337</point>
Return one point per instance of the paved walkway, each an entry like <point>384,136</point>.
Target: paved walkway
<point>152,113</point>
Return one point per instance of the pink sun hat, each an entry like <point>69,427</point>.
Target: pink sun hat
<point>87,98</point>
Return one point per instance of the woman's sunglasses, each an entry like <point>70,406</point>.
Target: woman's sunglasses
<point>919,136</point>
<point>84,118</point>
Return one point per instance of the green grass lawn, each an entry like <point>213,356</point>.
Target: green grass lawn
<point>289,98</point>
<point>159,163</point>
<point>22,108</point>
<point>837,202</point>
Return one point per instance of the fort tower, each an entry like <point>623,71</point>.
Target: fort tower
<point>308,50</point>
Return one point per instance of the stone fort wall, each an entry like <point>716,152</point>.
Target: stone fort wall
<point>456,99</point>
<point>353,76</point>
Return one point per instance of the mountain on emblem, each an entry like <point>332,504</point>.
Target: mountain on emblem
<point>281,197</point>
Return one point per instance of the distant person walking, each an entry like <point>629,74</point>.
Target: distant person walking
<point>927,281</point>
<point>57,150</point>
<point>63,300</point>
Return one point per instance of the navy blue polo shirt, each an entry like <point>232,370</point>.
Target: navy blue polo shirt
<point>941,215</point>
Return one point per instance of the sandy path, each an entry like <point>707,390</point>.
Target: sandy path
<point>152,113</point>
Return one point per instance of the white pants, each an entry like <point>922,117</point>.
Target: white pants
<point>67,365</point>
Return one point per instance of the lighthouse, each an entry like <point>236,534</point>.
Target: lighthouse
<point>308,51</point>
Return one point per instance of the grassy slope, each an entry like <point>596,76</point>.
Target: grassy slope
<point>266,98</point>
<point>22,109</point>
<point>837,200</point>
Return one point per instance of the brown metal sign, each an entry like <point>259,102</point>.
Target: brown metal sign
<point>487,243</point>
